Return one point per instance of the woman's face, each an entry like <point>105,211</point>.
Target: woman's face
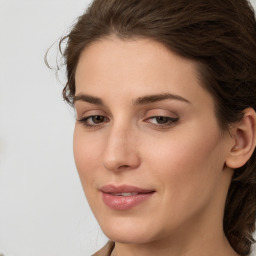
<point>147,145</point>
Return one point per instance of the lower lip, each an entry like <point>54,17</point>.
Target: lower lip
<point>124,202</point>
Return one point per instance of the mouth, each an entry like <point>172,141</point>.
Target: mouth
<point>124,197</point>
<point>124,194</point>
<point>124,189</point>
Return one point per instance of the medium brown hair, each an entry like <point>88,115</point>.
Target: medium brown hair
<point>220,35</point>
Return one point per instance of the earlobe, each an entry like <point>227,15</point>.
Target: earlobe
<point>244,140</point>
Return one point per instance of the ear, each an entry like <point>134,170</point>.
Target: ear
<point>244,140</point>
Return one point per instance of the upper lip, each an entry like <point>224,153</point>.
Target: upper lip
<point>124,189</point>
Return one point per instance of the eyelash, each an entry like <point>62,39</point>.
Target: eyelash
<point>168,121</point>
<point>85,121</point>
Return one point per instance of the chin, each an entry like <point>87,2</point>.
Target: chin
<point>129,237</point>
<point>128,232</point>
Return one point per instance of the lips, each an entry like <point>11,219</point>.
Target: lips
<point>124,197</point>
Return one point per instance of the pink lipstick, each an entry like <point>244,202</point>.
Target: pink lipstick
<point>124,197</point>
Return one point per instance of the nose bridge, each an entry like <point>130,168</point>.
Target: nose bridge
<point>120,148</point>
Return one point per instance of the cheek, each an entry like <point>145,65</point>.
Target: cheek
<point>187,164</point>
<point>188,174</point>
<point>86,155</point>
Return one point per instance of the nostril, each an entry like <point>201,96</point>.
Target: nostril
<point>124,166</point>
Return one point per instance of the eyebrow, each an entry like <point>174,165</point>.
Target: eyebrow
<point>159,97</point>
<point>88,98</point>
<point>139,101</point>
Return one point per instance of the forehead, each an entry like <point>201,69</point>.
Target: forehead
<point>136,67</point>
<point>112,51</point>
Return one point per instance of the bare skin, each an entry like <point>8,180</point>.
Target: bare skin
<point>145,120</point>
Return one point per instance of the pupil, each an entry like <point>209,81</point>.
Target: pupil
<point>162,120</point>
<point>98,119</point>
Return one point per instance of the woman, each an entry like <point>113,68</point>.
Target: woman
<point>164,143</point>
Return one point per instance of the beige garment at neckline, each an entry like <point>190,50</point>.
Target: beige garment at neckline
<point>106,250</point>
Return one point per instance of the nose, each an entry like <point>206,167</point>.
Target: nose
<point>120,150</point>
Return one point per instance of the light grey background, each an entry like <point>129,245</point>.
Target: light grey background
<point>43,211</point>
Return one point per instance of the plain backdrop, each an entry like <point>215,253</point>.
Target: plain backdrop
<point>43,211</point>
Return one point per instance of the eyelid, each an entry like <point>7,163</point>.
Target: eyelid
<point>160,112</point>
<point>86,112</point>
<point>160,118</point>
